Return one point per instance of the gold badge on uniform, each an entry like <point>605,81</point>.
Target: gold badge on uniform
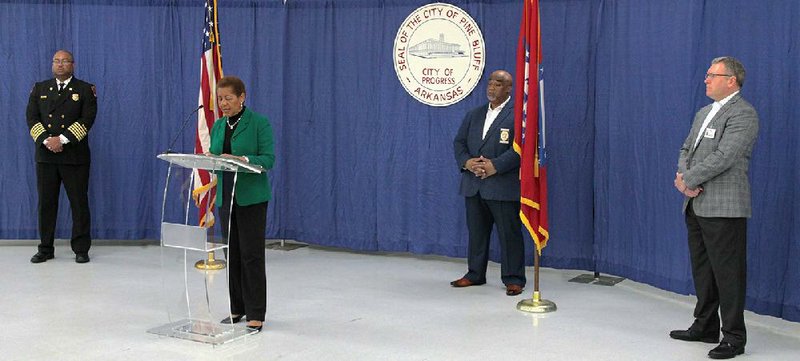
<point>504,132</point>
<point>76,97</point>
<point>43,97</point>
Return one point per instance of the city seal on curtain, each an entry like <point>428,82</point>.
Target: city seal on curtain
<point>439,54</point>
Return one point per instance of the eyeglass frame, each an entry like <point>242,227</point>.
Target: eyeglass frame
<point>714,75</point>
<point>63,61</point>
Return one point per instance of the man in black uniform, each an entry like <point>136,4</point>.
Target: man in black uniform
<point>60,113</point>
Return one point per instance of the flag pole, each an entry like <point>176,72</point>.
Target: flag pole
<point>536,304</point>
<point>529,144</point>
<point>211,72</point>
<point>210,263</point>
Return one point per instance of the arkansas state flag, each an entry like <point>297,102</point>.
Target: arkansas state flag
<point>529,126</point>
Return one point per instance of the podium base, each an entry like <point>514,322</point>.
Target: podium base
<point>202,331</point>
<point>536,305</point>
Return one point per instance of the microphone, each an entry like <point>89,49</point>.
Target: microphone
<point>180,131</point>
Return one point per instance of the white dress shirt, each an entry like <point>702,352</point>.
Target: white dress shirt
<point>491,115</point>
<point>61,86</point>
<point>715,107</point>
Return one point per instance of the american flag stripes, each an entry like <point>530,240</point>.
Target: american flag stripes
<point>210,73</point>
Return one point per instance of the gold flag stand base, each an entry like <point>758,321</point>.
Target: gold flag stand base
<point>210,264</point>
<point>536,305</point>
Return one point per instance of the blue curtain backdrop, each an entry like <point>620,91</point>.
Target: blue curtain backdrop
<point>362,165</point>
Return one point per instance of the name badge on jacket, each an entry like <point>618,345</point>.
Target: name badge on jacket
<point>710,133</point>
<point>504,132</point>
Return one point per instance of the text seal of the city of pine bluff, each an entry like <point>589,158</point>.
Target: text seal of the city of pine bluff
<point>439,54</point>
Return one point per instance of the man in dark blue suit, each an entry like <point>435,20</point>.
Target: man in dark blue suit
<point>490,183</point>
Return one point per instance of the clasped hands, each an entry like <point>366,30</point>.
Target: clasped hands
<point>481,167</point>
<point>681,187</point>
<point>53,144</point>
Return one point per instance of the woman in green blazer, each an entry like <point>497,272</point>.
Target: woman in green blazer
<point>245,135</point>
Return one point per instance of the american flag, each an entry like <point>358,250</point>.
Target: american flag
<point>210,73</point>
<point>529,126</point>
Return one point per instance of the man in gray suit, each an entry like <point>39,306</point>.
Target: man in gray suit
<point>490,184</point>
<point>712,174</point>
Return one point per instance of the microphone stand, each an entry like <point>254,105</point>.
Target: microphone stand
<point>180,131</point>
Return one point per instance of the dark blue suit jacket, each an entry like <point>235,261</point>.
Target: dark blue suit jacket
<point>498,146</point>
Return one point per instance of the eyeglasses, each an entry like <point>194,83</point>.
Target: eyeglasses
<point>62,61</point>
<point>713,75</point>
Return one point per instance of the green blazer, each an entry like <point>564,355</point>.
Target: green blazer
<point>252,139</point>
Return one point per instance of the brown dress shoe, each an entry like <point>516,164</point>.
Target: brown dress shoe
<point>513,290</point>
<point>464,282</point>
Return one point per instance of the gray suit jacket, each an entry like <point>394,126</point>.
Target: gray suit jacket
<point>497,146</point>
<point>719,164</point>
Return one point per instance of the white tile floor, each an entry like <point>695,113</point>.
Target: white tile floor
<point>327,304</point>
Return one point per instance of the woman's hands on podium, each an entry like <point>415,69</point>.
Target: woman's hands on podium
<point>230,156</point>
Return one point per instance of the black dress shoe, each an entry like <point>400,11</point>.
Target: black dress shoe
<point>232,320</point>
<point>82,258</point>
<point>725,351</point>
<point>255,328</point>
<point>688,335</point>
<point>40,257</point>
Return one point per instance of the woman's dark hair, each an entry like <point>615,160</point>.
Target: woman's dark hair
<point>236,84</point>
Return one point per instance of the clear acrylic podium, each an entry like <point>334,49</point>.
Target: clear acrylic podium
<point>196,300</point>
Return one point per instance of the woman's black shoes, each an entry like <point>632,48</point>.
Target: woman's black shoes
<point>233,319</point>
